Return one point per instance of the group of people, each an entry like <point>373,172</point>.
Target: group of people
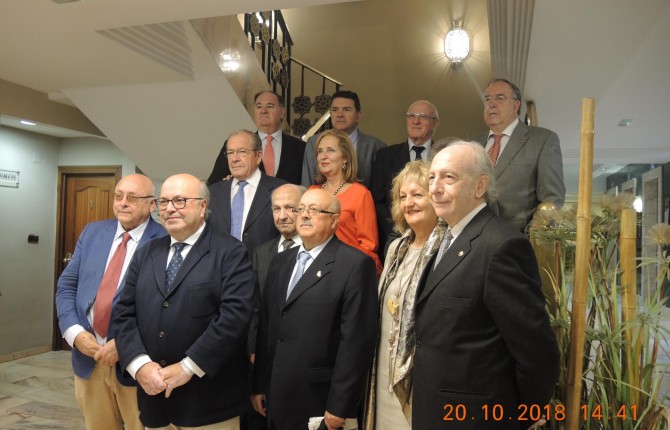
<point>341,282</point>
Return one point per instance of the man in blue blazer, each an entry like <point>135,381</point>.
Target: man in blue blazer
<point>183,317</point>
<point>345,113</point>
<point>256,224</point>
<point>105,402</point>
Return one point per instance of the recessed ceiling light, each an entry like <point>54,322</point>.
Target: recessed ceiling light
<point>625,122</point>
<point>27,122</point>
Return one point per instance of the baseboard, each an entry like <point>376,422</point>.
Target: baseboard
<point>24,354</point>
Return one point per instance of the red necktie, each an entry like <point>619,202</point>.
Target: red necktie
<point>102,308</point>
<point>494,150</point>
<point>269,157</point>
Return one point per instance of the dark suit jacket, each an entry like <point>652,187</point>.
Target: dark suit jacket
<point>366,152</point>
<point>204,316</point>
<point>390,161</point>
<point>528,172</point>
<point>78,284</point>
<point>314,349</point>
<point>482,332</point>
<point>259,226</point>
<point>290,161</point>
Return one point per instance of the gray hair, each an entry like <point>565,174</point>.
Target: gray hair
<point>440,144</point>
<point>299,188</point>
<point>254,139</point>
<point>204,194</point>
<point>481,167</point>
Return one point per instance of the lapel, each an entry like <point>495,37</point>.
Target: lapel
<point>226,189</point>
<point>516,141</point>
<point>363,150</point>
<point>314,273</point>
<point>261,201</point>
<point>402,157</point>
<point>151,232</point>
<point>200,249</point>
<point>159,263</point>
<point>456,253</point>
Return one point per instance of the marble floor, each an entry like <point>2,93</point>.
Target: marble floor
<point>37,392</point>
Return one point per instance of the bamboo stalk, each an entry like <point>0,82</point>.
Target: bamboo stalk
<point>629,297</point>
<point>582,254</point>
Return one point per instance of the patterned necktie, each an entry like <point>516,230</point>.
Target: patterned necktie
<point>288,243</point>
<point>418,150</point>
<point>102,307</point>
<point>237,211</point>
<point>494,150</point>
<point>446,242</point>
<point>175,264</point>
<point>303,257</point>
<point>269,157</point>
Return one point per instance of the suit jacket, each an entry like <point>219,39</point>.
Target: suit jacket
<point>482,331</point>
<point>314,349</point>
<point>78,284</point>
<point>259,226</point>
<point>204,316</point>
<point>366,152</point>
<point>528,172</point>
<point>389,162</point>
<point>290,161</point>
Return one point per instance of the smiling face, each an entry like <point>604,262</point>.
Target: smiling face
<point>453,190</point>
<point>329,157</point>
<point>343,114</point>
<point>420,129</point>
<point>131,215</point>
<point>499,114</point>
<point>268,113</point>
<point>415,206</point>
<point>314,230</point>
<point>182,223</point>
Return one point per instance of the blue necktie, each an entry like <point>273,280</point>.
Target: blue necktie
<point>303,257</point>
<point>237,211</point>
<point>174,265</point>
<point>446,242</point>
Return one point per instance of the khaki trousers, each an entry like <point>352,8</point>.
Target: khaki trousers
<point>105,403</point>
<point>231,424</point>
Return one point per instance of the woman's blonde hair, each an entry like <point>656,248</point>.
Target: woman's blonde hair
<point>414,172</point>
<point>350,172</point>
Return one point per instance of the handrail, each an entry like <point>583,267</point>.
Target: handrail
<point>318,72</point>
<point>317,125</point>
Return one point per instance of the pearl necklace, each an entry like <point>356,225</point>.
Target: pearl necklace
<point>323,187</point>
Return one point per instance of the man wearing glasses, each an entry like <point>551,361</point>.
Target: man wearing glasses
<point>318,325</point>
<point>86,292</point>
<point>527,161</point>
<point>242,206</point>
<point>183,317</point>
<point>422,121</point>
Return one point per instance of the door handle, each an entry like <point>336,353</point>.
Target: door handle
<point>68,257</point>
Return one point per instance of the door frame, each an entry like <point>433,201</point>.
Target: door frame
<point>64,172</point>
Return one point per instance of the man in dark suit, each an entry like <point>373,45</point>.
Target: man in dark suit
<point>318,324</point>
<point>527,161</point>
<point>183,317</point>
<point>251,221</point>
<point>86,292</point>
<point>483,338</point>
<point>422,121</point>
<point>345,113</point>
<point>282,156</point>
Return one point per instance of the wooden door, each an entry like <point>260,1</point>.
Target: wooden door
<point>85,194</point>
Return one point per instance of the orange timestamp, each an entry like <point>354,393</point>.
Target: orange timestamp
<point>533,413</point>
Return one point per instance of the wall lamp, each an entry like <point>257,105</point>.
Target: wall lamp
<point>457,44</point>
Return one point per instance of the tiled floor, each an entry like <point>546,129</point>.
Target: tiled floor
<point>38,393</point>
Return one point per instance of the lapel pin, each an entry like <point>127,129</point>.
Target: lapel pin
<point>460,253</point>
<point>318,274</point>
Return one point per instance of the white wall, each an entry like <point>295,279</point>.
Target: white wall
<point>27,270</point>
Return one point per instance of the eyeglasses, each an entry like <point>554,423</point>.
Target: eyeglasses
<point>130,198</point>
<point>241,152</point>
<point>177,202</point>
<point>498,98</point>
<point>420,116</point>
<point>312,211</point>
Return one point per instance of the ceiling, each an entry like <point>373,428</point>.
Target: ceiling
<point>387,50</point>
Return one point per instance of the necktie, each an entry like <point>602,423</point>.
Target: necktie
<point>269,157</point>
<point>446,241</point>
<point>175,264</point>
<point>418,150</point>
<point>288,243</point>
<point>494,150</point>
<point>303,257</point>
<point>237,211</point>
<point>108,286</point>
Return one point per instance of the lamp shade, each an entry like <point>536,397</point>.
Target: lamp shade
<point>457,45</point>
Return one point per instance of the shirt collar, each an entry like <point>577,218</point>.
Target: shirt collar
<point>135,234</point>
<point>252,180</point>
<point>192,239</point>
<point>508,130</point>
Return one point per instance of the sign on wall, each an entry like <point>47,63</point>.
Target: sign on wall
<point>9,178</point>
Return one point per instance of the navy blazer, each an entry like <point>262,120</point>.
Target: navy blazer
<point>290,161</point>
<point>259,226</point>
<point>314,350</point>
<point>204,316</point>
<point>78,284</point>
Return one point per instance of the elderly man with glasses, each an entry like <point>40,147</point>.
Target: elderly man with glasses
<point>318,325</point>
<point>527,161</point>
<point>86,292</point>
<point>422,121</point>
